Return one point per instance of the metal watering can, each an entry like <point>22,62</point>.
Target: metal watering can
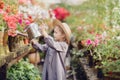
<point>33,31</point>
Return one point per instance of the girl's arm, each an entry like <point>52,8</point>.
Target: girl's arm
<point>38,46</point>
<point>59,46</point>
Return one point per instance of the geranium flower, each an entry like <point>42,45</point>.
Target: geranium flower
<point>20,21</point>
<point>27,22</point>
<point>8,9</point>
<point>89,42</point>
<point>1,4</point>
<point>96,41</point>
<point>22,1</point>
<point>1,11</point>
<point>12,32</point>
<point>61,13</point>
<point>19,17</point>
<point>12,25</point>
<point>11,21</point>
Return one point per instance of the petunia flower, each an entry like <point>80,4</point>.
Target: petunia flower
<point>89,42</point>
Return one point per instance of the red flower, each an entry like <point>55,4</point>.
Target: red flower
<point>12,32</point>
<point>11,21</point>
<point>1,4</point>
<point>22,1</point>
<point>12,25</point>
<point>8,9</point>
<point>61,13</point>
<point>110,73</point>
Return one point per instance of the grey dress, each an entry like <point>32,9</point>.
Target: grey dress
<point>55,54</point>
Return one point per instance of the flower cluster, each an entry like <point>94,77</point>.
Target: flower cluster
<point>93,43</point>
<point>61,13</point>
<point>12,20</point>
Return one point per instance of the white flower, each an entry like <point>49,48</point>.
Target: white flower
<point>118,38</point>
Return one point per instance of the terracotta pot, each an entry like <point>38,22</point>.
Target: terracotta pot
<point>26,41</point>
<point>34,58</point>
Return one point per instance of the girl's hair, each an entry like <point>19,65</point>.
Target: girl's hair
<point>61,30</point>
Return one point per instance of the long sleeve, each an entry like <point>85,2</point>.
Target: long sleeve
<point>59,46</point>
<point>40,47</point>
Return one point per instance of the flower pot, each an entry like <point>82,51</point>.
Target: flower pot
<point>80,45</point>
<point>100,74</point>
<point>14,43</point>
<point>34,58</point>
<point>86,53</point>
<point>90,61</point>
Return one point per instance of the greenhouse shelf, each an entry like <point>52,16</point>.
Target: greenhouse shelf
<point>12,58</point>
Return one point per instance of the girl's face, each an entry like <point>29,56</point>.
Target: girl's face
<point>58,34</point>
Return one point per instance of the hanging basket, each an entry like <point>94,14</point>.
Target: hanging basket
<point>34,58</point>
<point>5,41</point>
<point>1,37</point>
<point>2,53</point>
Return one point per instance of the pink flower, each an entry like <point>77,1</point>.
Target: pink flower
<point>11,21</point>
<point>96,41</point>
<point>12,32</point>
<point>27,22</point>
<point>99,36</point>
<point>1,11</point>
<point>22,1</point>
<point>12,25</point>
<point>20,21</point>
<point>79,28</point>
<point>89,42</point>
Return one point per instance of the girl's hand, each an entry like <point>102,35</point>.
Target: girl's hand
<point>43,30</point>
<point>51,13</point>
<point>33,41</point>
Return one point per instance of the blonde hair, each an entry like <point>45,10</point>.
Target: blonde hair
<point>65,28</point>
<point>62,31</point>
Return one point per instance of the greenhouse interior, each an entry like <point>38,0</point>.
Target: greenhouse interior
<point>59,39</point>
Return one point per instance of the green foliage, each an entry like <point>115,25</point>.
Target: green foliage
<point>101,14</point>
<point>2,23</point>
<point>111,66</point>
<point>23,70</point>
<point>98,16</point>
<point>109,53</point>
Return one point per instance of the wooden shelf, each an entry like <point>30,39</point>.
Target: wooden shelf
<point>20,53</point>
<point>12,58</point>
<point>90,72</point>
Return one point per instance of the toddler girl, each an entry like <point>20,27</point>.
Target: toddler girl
<point>56,50</point>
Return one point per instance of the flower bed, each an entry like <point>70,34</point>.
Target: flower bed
<point>97,29</point>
